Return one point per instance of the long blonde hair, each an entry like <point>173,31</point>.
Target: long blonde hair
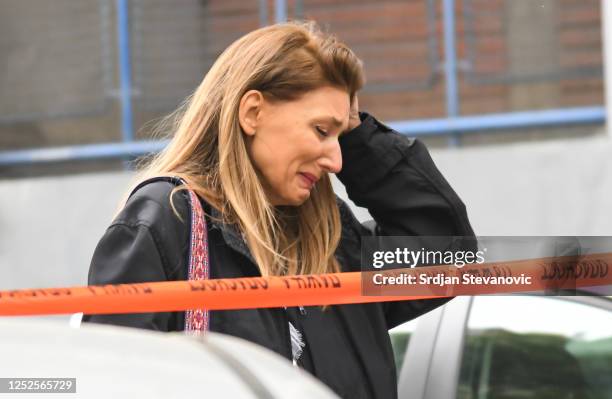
<point>208,149</point>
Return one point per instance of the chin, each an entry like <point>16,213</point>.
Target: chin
<point>291,196</point>
<point>298,202</point>
<point>297,199</point>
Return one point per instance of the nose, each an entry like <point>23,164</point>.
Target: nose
<point>331,161</point>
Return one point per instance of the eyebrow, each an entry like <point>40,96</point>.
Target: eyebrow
<point>336,122</point>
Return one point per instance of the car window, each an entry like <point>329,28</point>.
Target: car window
<point>536,347</point>
<point>400,337</point>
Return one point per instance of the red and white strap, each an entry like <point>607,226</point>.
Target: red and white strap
<point>197,320</point>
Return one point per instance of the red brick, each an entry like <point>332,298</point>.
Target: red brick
<point>586,15</point>
<point>478,92</point>
<point>588,85</point>
<point>582,58</point>
<point>368,12</point>
<point>489,65</point>
<point>488,5</point>
<point>582,99</point>
<point>221,7</point>
<point>489,45</point>
<point>487,105</point>
<point>579,37</point>
<point>568,4</point>
<point>392,73</point>
<point>392,51</point>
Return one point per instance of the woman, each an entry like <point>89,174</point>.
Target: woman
<point>275,114</point>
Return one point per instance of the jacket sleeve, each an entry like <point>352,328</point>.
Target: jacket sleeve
<point>134,250</point>
<point>394,177</point>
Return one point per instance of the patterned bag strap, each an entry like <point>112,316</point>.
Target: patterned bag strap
<point>197,320</point>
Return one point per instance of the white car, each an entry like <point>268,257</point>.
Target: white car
<point>121,362</point>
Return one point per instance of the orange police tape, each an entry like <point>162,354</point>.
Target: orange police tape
<point>548,274</point>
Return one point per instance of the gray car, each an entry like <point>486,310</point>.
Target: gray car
<point>507,347</point>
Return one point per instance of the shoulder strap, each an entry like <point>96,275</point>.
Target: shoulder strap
<point>196,320</point>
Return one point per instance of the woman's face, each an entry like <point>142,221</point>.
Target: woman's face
<point>293,143</point>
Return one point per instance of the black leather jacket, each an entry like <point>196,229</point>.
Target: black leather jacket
<point>347,346</point>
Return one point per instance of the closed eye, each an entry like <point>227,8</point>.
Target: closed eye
<point>321,131</point>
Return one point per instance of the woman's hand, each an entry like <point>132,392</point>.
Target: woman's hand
<point>354,120</point>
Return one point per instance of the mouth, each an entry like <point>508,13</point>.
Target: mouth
<point>309,178</point>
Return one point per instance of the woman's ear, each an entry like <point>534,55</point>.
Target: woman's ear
<point>249,111</point>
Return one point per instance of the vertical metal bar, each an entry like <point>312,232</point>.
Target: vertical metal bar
<point>263,13</point>
<point>280,11</point>
<point>125,70</point>
<point>606,29</point>
<point>450,64</point>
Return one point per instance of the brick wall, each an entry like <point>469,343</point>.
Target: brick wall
<point>514,55</point>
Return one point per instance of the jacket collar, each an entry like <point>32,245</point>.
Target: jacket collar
<point>231,234</point>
